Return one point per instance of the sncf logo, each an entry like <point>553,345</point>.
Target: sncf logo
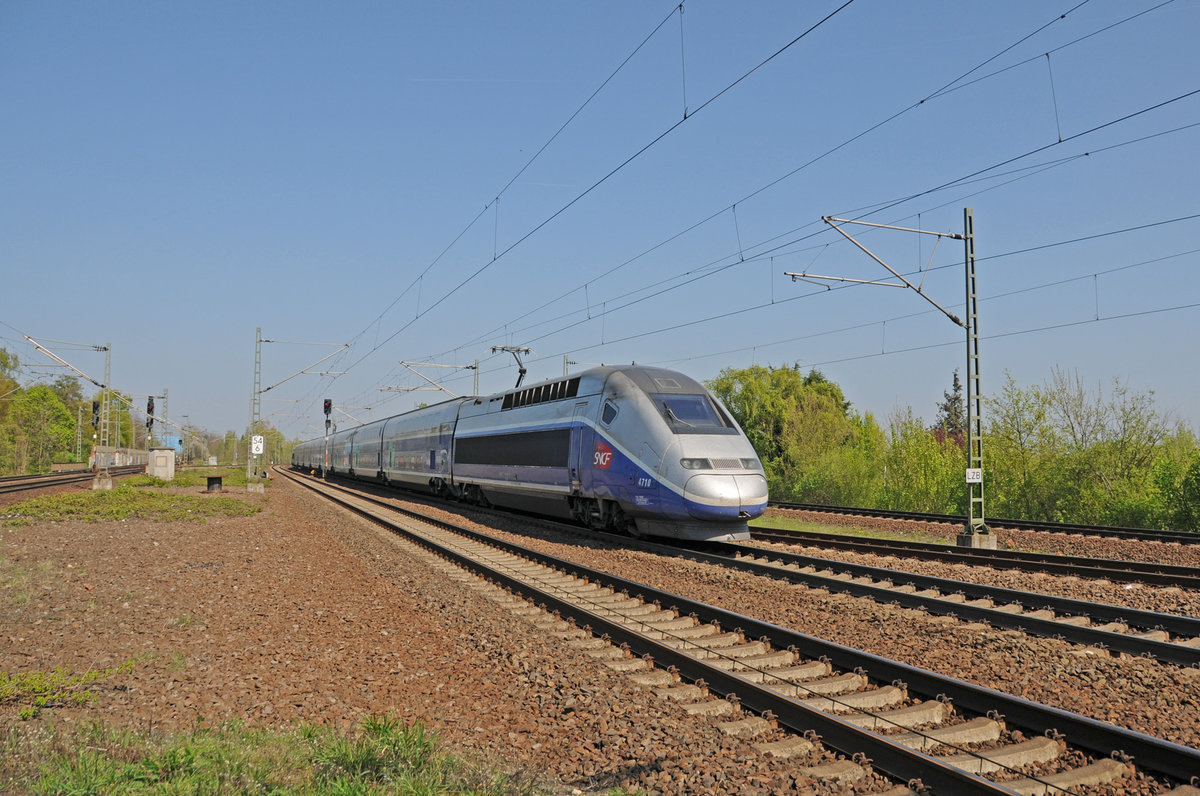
<point>602,457</point>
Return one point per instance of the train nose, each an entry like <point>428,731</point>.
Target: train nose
<point>726,497</point>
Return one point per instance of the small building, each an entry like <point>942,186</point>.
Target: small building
<point>162,463</point>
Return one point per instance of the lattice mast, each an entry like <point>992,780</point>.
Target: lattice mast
<point>255,405</point>
<point>975,508</point>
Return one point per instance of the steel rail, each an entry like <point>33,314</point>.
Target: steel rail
<point>725,554</point>
<point>55,479</point>
<point>1153,754</point>
<point>1112,531</point>
<point>34,476</point>
<point>890,757</point>
<point>1111,569</point>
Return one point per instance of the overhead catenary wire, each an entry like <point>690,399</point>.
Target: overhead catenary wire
<point>944,89</point>
<point>418,282</point>
<point>538,227</point>
<point>724,316</point>
<point>919,313</point>
<point>1054,97</point>
<point>522,170</point>
<point>661,287</point>
<point>953,85</point>
<point>659,290</point>
<point>916,314</point>
<point>959,86</point>
<point>941,90</point>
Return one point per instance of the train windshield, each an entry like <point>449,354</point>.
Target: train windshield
<point>693,414</point>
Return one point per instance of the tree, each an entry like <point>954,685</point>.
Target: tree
<point>924,469</point>
<point>45,429</point>
<point>1111,448</point>
<point>69,391</point>
<point>228,453</point>
<point>1024,454</point>
<point>1176,478</point>
<point>8,381</point>
<point>277,449</point>
<point>811,447</point>
<point>8,389</point>
<point>952,416</point>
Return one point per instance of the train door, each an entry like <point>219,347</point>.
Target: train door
<point>581,449</point>
<point>445,441</point>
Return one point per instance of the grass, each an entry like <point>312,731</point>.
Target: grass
<point>791,524</point>
<point>16,582</point>
<point>124,503</point>
<point>382,756</point>
<point>19,584</point>
<point>230,476</point>
<point>32,691</point>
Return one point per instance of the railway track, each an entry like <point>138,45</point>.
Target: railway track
<point>769,683</point>
<point>1118,629</point>
<point>1144,534</point>
<point>21,483</point>
<point>1110,569</point>
<point>8,479</point>
<point>1167,638</point>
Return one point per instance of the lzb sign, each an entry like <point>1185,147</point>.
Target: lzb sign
<point>974,475</point>
<point>256,445</point>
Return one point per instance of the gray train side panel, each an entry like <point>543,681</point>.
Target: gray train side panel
<point>542,442</point>
<point>416,446</point>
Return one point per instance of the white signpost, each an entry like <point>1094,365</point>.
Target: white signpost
<point>256,445</point>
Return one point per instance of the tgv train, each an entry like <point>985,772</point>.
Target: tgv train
<point>638,449</point>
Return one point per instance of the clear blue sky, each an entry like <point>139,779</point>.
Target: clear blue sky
<point>176,175</point>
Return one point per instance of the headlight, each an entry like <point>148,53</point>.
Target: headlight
<point>751,464</point>
<point>696,464</point>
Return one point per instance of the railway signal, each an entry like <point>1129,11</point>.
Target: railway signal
<point>95,413</point>
<point>150,412</point>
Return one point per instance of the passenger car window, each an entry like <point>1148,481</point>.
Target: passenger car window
<point>609,413</point>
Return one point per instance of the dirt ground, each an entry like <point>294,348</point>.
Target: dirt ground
<point>303,613</point>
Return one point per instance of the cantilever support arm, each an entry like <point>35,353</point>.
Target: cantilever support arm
<point>304,369</point>
<point>431,381</point>
<point>64,362</point>
<point>829,220</point>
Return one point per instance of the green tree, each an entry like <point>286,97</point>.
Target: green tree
<point>1022,455</point>
<point>952,415</point>
<point>228,451</point>
<point>1176,483</point>
<point>924,470</point>
<point>1111,447</point>
<point>45,429</point>
<point>277,448</point>
<point>9,387</point>
<point>812,447</point>
<point>69,391</point>
<point>1185,504</point>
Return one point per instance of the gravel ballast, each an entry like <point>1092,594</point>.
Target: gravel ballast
<point>304,613</point>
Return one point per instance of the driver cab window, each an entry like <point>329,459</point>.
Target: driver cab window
<point>609,413</point>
